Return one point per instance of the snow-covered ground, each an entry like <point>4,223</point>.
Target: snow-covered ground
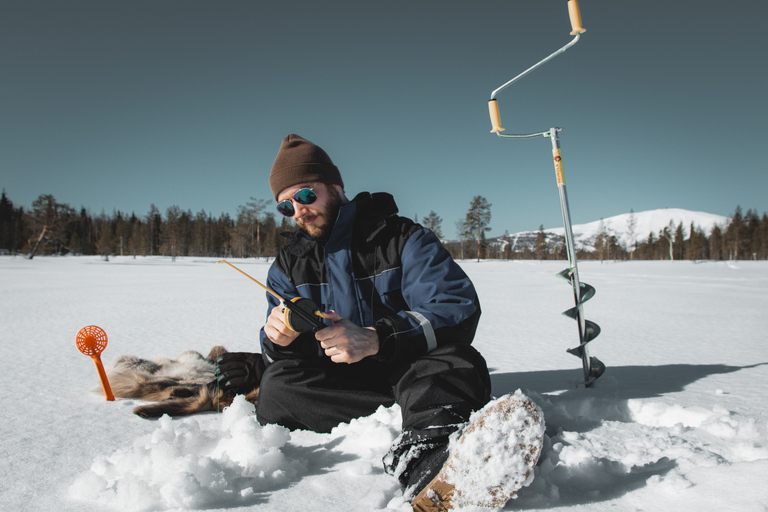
<point>678,422</point>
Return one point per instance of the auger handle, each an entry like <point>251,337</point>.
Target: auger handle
<point>493,107</point>
<point>575,14</point>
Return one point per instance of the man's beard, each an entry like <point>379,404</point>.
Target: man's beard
<point>323,222</point>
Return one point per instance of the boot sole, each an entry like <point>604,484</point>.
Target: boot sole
<point>492,459</point>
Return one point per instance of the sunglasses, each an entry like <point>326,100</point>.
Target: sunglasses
<point>303,196</point>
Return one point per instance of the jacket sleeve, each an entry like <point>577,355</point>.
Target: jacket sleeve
<point>305,344</point>
<point>443,307</point>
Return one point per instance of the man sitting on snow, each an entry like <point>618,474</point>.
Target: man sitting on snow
<point>400,318</point>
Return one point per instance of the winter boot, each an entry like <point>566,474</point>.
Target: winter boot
<point>490,460</point>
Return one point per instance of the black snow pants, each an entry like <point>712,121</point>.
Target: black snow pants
<point>436,393</point>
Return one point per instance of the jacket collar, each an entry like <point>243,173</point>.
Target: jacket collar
<point>366,214</point>
<point>372,212</point>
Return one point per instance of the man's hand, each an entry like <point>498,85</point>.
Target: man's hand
<point>345,342</point>
<point>276,330</point>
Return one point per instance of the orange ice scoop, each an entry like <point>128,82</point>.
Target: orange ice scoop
<point>91,341</point>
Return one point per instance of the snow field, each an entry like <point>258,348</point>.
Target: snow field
<point>678,422</point>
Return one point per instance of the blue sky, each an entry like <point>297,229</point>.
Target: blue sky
<point>118,105</point>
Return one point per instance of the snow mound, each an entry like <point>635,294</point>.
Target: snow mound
<point>596,448</point>
<point>194,464</point>
<point>656,447</point>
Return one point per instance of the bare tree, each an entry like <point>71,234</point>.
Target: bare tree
<point>540,245</point>
<point>602,240</point>
<point>667,234</point>
<point>632,230</point>
<point>50,220</point>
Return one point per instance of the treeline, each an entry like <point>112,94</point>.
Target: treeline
<point>53,228</point>
<point>744,238</point>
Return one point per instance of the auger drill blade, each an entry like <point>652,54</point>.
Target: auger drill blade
<point>596,369</point>
<point>566,274</point>
<point>586,292</point>
<point>591,331</point>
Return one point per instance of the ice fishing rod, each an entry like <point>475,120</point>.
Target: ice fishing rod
<point>582,292</point>
<point>301,314</point>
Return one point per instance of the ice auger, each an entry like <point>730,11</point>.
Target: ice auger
<point>582,292</point>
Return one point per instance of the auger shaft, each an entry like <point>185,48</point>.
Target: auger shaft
<point>593,368</point>
<point>573,270</point>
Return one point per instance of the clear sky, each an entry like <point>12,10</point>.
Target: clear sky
<point>118,105</point>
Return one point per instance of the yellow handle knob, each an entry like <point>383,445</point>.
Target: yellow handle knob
<point>573,12</point>
<point>493,107</point>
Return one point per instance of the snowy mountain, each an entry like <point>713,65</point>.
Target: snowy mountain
<point>645,223</point>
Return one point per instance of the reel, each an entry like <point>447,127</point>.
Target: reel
<point>301,316</point>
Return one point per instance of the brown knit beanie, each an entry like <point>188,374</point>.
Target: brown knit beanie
<point>300,161</point>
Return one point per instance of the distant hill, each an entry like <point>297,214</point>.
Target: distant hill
<point>652,221</point>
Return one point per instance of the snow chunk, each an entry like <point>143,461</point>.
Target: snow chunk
<point>194,463</point>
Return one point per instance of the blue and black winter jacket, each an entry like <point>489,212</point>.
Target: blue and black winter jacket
<point>377,269</point>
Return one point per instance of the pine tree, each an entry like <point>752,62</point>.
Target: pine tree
<point>694,244</point>
<point>7,225</point>
<point>256,208</point>
<point>679,241</point>
<point>734,235</point>
<point>222,235</point>
<point>171,233</point>
<point>716,243</point>
<point>476,222</point>
<point>138,239</point>
<point>434,223</point>
<point>154,223</point>
<point>751,235</point>
<point>649,250</point>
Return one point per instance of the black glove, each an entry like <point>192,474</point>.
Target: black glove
<point>239,372</point>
